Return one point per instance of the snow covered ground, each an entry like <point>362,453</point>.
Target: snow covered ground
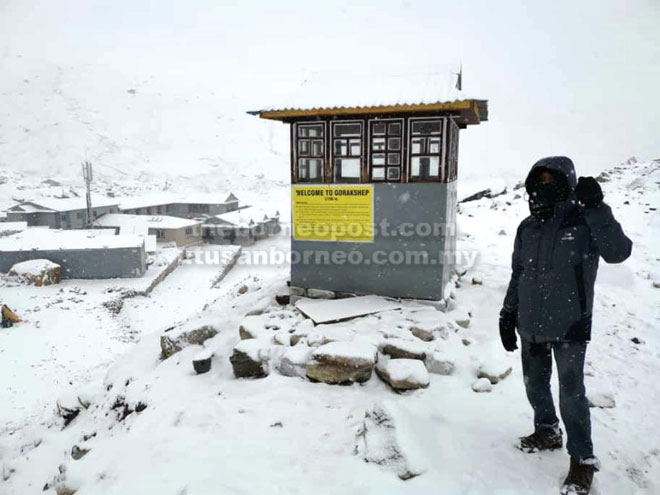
<point>155,427</point>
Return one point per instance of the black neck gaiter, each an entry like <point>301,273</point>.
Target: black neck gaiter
<point>543,199</point>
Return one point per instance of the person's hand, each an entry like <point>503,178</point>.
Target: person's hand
<point>588,192</point>
<point>508,329</point>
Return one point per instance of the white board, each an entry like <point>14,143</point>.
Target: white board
<point>327,310</point>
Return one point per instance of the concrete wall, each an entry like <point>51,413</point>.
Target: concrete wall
<point>85,263</point>
<point>428,203</point>
<point>179,236</point>
<point>184,210</point>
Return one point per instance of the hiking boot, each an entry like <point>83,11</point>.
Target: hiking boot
<point>540,441</point>
<point>580,476</point>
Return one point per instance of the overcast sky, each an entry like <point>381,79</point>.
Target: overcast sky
<point>574,78</point>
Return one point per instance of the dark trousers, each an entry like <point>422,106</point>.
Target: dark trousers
<point>537,370</point>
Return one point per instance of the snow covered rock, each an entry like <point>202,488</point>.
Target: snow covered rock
<point>603,401</point>
<point>175,340</point>
<point>37,272</point>
<point>494,371</point>
<point>320,294</point>
<point>482,385</point>
<point>294,361</point>
<point>250,359</point>
<point>403,349</point>
<point>435,363</point>
<point>404,374</point>
<point>342,363</point>
<point>428,324</point>
<point>461,318</point>
<point>253,327</point>
<point>202,362</point>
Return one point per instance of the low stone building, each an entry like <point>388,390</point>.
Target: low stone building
<point>91,254</point>
<point>179,206</point>
<point>56,213</point>
<point>243,227</point>
<point>181,231</point>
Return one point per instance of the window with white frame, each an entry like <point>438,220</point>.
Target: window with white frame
<point>347,151</point>
<point>425,149</point>
<point>310,152</point>
<point>386,149</point>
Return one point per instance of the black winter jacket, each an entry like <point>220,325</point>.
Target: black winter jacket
<point>555,262</point>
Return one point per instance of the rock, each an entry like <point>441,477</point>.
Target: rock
<point>242,289</point>
<point>282,299</point>
<point>477,280</point>
<point>320,294</point>
<point>342,363</point>
<point>37,272</point>
<point>65,490</point>
<point>482,385</point>
<point>494,372</point>
<point>461,318</point>
<point>656,284</point>
<point>404,374</point>
<point>603,401</point>
<point>436,364</point>
<point>297,291</point>
<point>202,362</point>
<point>78,453</point>
<point>175,340</point>
<point>502,232</point>
<point>403,349</point>
<point>422,332</point>
<point>294,361</point>
<point>467,341</point>
<point>486,193</point>
<point>253,327</point>
<point>250,359</point>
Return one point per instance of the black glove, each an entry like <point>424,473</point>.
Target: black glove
<point>588,192</point>
<point>508,319</point>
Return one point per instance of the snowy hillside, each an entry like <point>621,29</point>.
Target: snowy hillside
<point>150,426</point>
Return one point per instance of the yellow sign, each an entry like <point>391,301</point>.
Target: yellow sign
<point>333,213</point>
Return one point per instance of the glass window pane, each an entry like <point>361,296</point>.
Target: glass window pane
<point>378,173</point>
<point>427,127</point>
<point>378,159</point>
<point>394,143</point>
<point>434,145</point>
<point>315,169</point>
<point>434,166</point>
<point>310,130</point>
<point>347,168</point>
<point>417,146</point>
<point>348,129</point>
<point>394,128</point>
<point>378,144</point>
<point>303,168</point>
<point>393,173</point>
<point>393,159</point>
<point>356,146</point>
<point>303,131</point>
<point>415,166</point>
<point>341,147</point>
<point>303,147</point>
<point>378,128</point>
<point>317,148</point>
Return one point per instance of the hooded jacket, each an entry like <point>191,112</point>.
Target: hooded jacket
<point>555,262</point>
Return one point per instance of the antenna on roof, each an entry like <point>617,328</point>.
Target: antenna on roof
<point>88,176</point>
<point>459,78</point>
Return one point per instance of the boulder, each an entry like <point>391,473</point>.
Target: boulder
<point>294,361</point>
<point>404,374</point>
<point>253,327</point>
<point>482,385</point>
<point>494,372</point>
<point>37,272</point>
<point>175,340</point>
<point>342,363</point>
<point>250,359</point>
<point>403,349</point>
<point>435,363</point>
<point>202,362</point>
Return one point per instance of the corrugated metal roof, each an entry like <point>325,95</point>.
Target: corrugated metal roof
<point>370,92</point>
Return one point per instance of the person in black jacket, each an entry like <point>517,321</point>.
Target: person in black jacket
<point>550,299</point>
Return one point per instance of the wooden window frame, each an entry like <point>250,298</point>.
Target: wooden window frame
<point>442,172</point>
<point>296,156</point>
<point>360,156</point>
<point>386,151</point>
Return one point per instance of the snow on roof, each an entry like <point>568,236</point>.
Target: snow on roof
<point>64,204</point>
<point>137,222</point>
<point>366,91</point>
<point>167,198</point>
<point>244,216</point>
<point>51,239</point>
<point>7,228</point>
